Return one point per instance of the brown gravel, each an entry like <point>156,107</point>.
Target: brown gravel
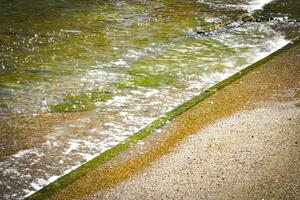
<point>254,154</point>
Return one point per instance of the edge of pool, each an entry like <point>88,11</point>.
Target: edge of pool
<point>109,154</point>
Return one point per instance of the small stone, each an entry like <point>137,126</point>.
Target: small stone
<point>201,32</point>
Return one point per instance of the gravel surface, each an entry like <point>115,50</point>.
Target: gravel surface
<point>253,154</point>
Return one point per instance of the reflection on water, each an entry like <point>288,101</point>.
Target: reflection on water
<point>78,77</point>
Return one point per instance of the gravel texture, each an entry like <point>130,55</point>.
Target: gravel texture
<point>253,154</point>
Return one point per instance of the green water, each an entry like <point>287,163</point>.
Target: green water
<point>46,46</point>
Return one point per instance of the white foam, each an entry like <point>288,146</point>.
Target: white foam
<point>73,145</point>
<point>256,5</point>
<point>87,156</point>
<point>120,62</point>
<point>253,5</point>
<point>72,31</point>
<point>35,186</point>
<point>118,100</point>
<point>22,153</point>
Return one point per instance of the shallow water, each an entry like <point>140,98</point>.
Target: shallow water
<point>77,78</point>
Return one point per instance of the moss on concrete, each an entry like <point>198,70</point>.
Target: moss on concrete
<point>154,80</point>
<point>142,78</point>
<point>82,102</point>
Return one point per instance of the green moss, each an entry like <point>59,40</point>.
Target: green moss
<point>140,77</point>
<point>135,71</point>
<point>123,84</point>
<point>141,42</point>
<point>153,80</point>
<point>298,94</point>
<point>99,95</point>
<point>149,80</point>
<point>82,102</point>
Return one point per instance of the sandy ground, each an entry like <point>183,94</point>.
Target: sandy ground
<point>253,154</point>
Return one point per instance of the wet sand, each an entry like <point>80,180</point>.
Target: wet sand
<point>242,142</point>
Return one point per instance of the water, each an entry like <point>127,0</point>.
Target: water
<point>77,78</point>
